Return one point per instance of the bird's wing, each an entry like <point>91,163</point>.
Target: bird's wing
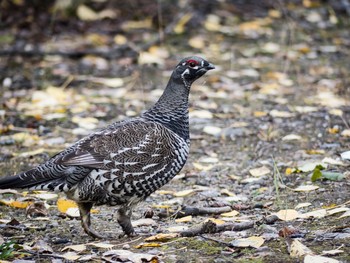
<point>132,143</point>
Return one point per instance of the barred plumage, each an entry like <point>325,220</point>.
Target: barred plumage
<point>127,161</point>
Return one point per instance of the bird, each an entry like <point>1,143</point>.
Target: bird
<point>125,162</point>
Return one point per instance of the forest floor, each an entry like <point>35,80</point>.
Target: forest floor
<point>268,126</point>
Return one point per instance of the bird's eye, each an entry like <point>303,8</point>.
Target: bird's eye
<point>192,63</point>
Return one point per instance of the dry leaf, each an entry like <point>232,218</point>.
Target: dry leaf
<point>291,137</point>
<point>281,114</point>
<point>316,213</point>
<point>212,130</point>
<point>73,212</point>
<point>162,237</point>
<point>287,214</point>
<point>143,245</point>
<point>71,256</point>
<point>180,27</point>
<point>15,203</point>
<point>184,193</point>
<point>319,259</point>
<point>230,214</point>
<point>226,191</point>
<point>257,172</point>
<point>77,248</point>
<point>333,161</point>
<point>174,229</point>
<point>345,133</point>
<point>332,252</point>
<point>345,155</point>
<point>337,210</point>
<point>305,188</point>
<point>253,241</point>
<point>298,249</point>
<point>184,219</point>
<point>64,204</point>
<point>144,222</point>
<point>215,220</point>
<point>101,245</point>
<point>346,214</point>
<point>128,256</point>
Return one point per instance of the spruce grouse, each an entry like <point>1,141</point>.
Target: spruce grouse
<point>127,161</point>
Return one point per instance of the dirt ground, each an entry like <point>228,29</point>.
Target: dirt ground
<point>278,102</point>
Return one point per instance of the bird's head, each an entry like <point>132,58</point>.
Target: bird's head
<point>191,68</point>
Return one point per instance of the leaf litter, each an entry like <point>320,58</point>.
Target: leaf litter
<point>251,112</point>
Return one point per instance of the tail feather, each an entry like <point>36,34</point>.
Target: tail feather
<point>46,177</point>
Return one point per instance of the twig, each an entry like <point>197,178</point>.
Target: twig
<point>211,227</point>
<point>196,211</point>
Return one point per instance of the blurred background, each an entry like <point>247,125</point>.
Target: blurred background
<point>278,101</point>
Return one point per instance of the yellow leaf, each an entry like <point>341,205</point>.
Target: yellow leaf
<point>259,113</point>
<point>148,245</point>
<point>230,214</point>
<point>333,130</point>
<point>311,3</point>
<point>287,214</point>
<point>315,151</point>
<point>180,27</point>
<point>162,237</point>
<point>290,170</point>
<point>184,219</point>
<point>16,204</point>
<point>64,204</point>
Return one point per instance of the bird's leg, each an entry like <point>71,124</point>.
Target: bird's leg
<point>123,218</point>
<point>85,217</point>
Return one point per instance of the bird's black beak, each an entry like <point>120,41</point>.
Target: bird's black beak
<point>209,66</point>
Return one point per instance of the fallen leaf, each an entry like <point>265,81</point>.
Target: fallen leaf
<point>345,155</point>
<point>71,256</point>
<point>337,210</point>
<point>253,241</point>
<point>64,204</point>
<point>184,193</point>
<point>174,229</point>
<point>128,256</point>
<point>144,222</point>
<point>143,245</point>
<point>345,133</point>
<point>305,188</point>
<point>333,161</point>
<point>320,213</point>
<point>180,26</point>
<point>230,214</point>
<point>215,220</point>
<point>184,219</point>
<point>346,214</point>
<point>212,130</point>
<point>227,192</point>
<point>77,248</point>
<point>291,137</point>
<point>260,171</point>
<point>298,249</point>
<point>101,245</point>
<point>319,259</point>
<point>310,166</point>
<point>162,237</point>
<point>201,114</point>
<point>332,252</point>
<point>281,114</point>
<point>73,212</point>
<point>287,214</point>
<point>15,203</point>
